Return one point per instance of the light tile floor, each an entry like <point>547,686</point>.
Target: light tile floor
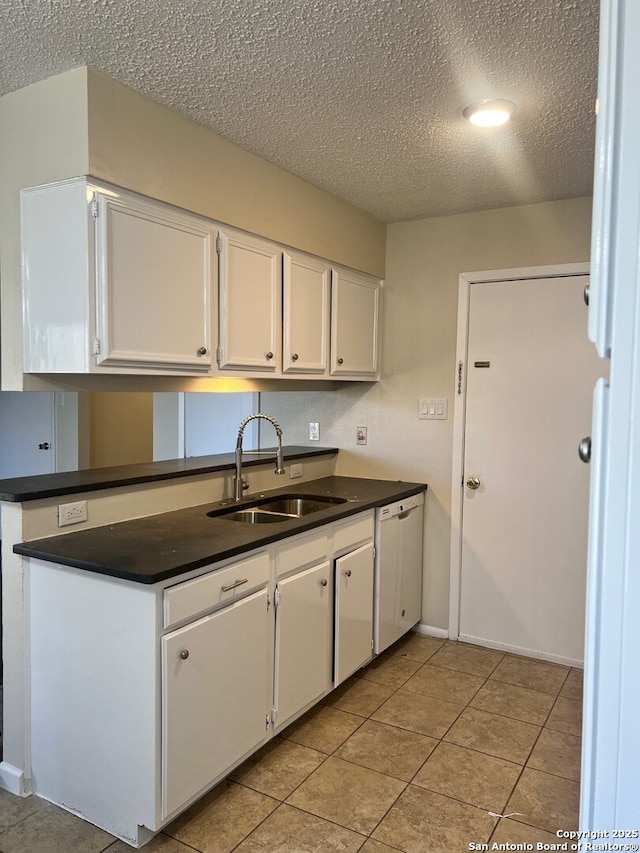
<point>423,750</point>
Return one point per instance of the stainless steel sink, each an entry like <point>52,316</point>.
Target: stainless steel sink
<point>298,505</point>
<point>283,508</point>
<point>253,516</point>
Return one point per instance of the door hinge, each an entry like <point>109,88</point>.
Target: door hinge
<point>374,552</point>
<point>268,602</point>
<point>274,715</point>
<point>218,244</point>
<point>372,644</point>
<point>94,205</point>
<point>460,366</point>
<point>267,721</point>
<point>218,354</point>
<point>276,597</point>
<point>96,345</point>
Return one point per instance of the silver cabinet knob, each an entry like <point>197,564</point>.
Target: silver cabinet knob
<point>202,351</point>
<point>324,582</point>
<point>294,357</point>
<point>584,449</point>
<point>348,573</point>
<point>341,361</point>
<point>184,654</point>
<point>473,483</point>
<point>269,356</point>
<point>44,445</point>
<point>586,294</point>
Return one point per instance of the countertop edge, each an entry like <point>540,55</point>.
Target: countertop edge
<point>39,486</point>
<point>38,550</point>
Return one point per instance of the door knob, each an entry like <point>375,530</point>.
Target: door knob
<point>584,449</point>
<point>473,483</point>
<point>585,294</point>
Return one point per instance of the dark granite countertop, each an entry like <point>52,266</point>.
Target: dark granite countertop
<point>159,547</point>
<point>20,489</point>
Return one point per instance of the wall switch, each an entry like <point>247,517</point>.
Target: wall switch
<point>361,435</point>
<point>314,432</point>
<point>295,470</point>
<point>433,409</point>
<point>72,513</point>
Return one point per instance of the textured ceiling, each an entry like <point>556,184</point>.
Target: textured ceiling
<point>361,97</point>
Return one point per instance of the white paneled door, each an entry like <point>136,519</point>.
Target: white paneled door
<point>26,433</point>
<point>530,378</point>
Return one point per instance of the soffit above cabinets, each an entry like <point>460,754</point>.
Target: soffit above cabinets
<point>363,98</point>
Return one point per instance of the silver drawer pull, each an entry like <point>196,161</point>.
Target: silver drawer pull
<point>235,584</point>
<point>323,582</point>
<point>184,654</point>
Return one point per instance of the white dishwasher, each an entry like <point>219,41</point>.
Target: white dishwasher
<point>398,570</point>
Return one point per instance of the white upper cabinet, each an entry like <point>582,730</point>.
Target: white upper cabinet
<point>250,303</point>
<point>114,283</point>
<point>153,285</point>
<point>306,293</point>
<point>355,300</point>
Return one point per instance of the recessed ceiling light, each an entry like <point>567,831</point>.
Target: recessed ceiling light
<point>490,113</point>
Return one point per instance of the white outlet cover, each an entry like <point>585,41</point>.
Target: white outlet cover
<point>314,431</point>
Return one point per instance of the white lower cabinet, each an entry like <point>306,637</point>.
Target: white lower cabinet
<point>182,681</point>
<point>216,690</point>
<point>354,611</point>
<point>304,622</point>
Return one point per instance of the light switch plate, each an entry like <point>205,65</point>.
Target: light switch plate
<point>433,408</point>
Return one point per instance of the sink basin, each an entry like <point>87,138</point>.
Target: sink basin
<point>254,516</point>
<point>298,505</point>
<point>283,508</point>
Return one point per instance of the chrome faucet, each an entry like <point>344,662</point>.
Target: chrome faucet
<point>239,483</point>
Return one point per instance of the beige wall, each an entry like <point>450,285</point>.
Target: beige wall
<point>121,429</point>
<point>424,259</point>
<point>139,144</point>
<point>82,122</point>
<point>43,138</point>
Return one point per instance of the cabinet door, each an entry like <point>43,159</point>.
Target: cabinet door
<point>250,303</point>
<point>153,279</point>
<point>354,324</point>
<point>303,639</point>
<point>354,611</point>
<point>305,290</point>
<point>216,691</point>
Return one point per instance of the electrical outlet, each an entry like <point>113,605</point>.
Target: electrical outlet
<point>295,470</point>
<point>361,435</point>
<point>72,513</point>
<point>314,432</point>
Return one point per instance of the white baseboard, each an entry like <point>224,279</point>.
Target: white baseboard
<point>430,631</point>
<point>12,780</point>
<point>527,653</point>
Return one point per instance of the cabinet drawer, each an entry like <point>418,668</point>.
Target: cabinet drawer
<point>199,595</point>
<point>300,552</point>
<point>350,533</point>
